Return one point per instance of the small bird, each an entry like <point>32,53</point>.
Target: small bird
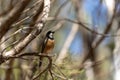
<point>47,46</point>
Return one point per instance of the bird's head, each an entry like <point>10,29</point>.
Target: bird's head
<point>50,34</point>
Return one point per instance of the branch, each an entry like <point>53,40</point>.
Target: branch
<point>34,13</point>
<point>39,26</point>
<point>107,30</point>
<point>14,14</point>
<point>84,25</point>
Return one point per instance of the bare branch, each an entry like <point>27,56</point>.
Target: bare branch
<point>14,14</point>
<point>39,26</point>
<point>84,25</point>
<point>107,30</point>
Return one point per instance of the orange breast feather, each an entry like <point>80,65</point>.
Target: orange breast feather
<point>49,46</point>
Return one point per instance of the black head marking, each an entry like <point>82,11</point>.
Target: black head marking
<point>50,34</point>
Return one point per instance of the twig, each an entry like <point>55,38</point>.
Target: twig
<point>39,26</point>
<point>84,25</point>
<point>47,68</point>
<point>9,46</point>
<point>51,73</point>
<point>59,70</point>
<point>28,17</point>
<point>38,55</point>
<point>63,78</point>
<point>13,15</point>
<point>107,30</point>
<point>16,32</point>
<point>34,5</point>
<point>60,8</point>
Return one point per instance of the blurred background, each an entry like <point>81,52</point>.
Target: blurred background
<point>86,36</point>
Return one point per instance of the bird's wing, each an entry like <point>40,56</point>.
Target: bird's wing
<point>44,44</point>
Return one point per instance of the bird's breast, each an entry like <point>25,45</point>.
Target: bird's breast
<point>49,46</point>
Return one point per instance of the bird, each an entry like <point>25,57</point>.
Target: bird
<point>47,45</point>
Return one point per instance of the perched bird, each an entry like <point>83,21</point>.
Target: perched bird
<point>47,46</point>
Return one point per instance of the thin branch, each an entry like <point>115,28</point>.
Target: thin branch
<point>107,30</point>
<point>59,76</point>
<point>47,68</point>
<point>39,26</point>
<point>51,72</point>
<point>34,5</point>
<point>96,63</point>
<point>60,8</point>
<point>16,32</point>
<point>57,26</point>
<point>9,8</point>
<point>59,70</point>
<point>84,25</point>
<point>14,14</point>
<point>34,14</point>
<point>9,46</point>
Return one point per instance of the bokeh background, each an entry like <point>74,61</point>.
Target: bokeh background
<point>86,40</point>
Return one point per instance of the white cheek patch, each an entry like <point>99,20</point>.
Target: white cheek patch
<point>51,35</point>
